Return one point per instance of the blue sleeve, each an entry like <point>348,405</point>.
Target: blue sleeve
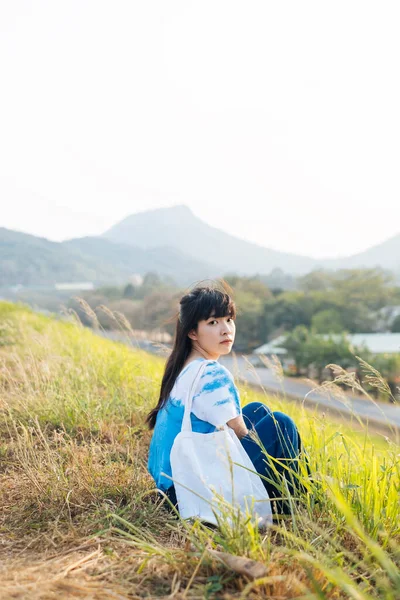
<point>216,399</point>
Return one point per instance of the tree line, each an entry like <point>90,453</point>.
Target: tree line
<point>353,301</point>
<point>324,302</point>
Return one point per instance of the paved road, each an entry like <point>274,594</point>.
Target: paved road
<point>387,415</point>
<point>384,414</point>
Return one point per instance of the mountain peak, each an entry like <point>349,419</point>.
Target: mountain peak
<point>148,225</point>
<point>179,208</point>
<point>176,210</point>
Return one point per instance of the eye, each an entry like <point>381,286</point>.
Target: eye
<point>215,321</point>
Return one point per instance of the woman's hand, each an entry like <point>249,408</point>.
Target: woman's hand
<point>239,426</point>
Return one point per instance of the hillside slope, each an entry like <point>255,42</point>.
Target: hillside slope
<point>33,261</point>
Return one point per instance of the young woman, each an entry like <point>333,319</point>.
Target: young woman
<point>205,330</point>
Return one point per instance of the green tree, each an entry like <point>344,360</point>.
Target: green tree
<point>292,309</point>
<point>327,321</point>
<point>248,321</point>
<point>320,351</point>
<point>374,288</point>
<point>395,328</point>
<point>129,291</point>
<point>250,295</point>
<point>307,348</point>
<point>252,285</point>
<point>294,343</point>
<point>318,280</point>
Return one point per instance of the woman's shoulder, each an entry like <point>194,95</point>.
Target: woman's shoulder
<point>212,366</point>
<point>211,369</point>
<point>214,378</point>
<point>216,370</point>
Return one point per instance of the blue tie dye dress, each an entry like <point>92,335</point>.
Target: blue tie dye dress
<point>215,401</point>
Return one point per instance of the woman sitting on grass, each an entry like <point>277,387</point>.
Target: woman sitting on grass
<point>205,330</point>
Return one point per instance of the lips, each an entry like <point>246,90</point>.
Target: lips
<point>227,341</point>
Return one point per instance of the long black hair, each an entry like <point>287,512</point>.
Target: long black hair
<point>197,305</point>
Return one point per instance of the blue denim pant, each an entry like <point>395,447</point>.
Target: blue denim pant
<point>280,438</point>
<point>278,435</point>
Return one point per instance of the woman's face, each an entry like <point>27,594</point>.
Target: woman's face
<point>209,339</point>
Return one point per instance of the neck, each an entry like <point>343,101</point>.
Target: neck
<point>200,353</point>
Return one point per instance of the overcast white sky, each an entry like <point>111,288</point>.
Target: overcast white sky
<point>277,122</point>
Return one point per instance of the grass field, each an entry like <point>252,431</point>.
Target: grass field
<point>79,517</point>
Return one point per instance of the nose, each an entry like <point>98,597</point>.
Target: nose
<point>226,329</point>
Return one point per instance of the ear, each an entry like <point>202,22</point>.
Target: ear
<point>192,334</point>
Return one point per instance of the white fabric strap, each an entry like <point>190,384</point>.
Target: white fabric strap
<point>186,422</point>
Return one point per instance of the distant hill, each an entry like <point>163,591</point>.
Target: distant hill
<point>32,260</point>
<point>385,255</point>
<point>178,226</point>
<point>29,260</point>
<point>170,241</point>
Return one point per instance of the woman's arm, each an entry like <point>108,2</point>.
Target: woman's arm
<point>239,426</point>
